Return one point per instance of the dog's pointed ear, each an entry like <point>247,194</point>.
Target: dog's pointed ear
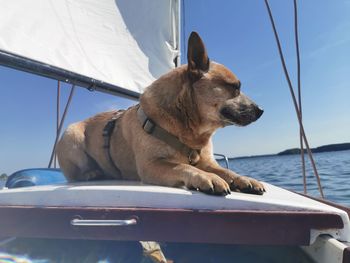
<point>197,57</point>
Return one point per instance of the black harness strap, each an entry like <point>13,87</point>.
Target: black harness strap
<point>153,129</point>
<point>107,132</point>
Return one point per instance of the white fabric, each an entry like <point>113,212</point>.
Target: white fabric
<point>122,42</point>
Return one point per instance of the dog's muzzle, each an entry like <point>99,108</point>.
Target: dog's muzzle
<point>241,117</point>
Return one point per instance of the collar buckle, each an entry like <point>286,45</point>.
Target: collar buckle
<point>148,126</point>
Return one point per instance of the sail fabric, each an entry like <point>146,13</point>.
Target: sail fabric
<point>121,42</point>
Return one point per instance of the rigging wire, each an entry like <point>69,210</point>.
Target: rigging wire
<point>57,116</point>
<point>296,35</point>
<point>183,27</point>
<point>297,110</point>
<point>61,124</point>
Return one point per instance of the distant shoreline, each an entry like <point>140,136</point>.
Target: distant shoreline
<point>292,151</point>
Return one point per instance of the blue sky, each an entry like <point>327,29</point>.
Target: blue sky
<point>237,34</point>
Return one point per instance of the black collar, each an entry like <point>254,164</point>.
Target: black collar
<point>153,129</point>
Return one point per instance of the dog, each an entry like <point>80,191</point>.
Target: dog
<point>166,138</point>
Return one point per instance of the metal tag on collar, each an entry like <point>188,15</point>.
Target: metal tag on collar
<point>192,156</point>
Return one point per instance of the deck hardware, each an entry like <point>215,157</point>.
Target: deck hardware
<point>224,157</point>
<point>96,222</point>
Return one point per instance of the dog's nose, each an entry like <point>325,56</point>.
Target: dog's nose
<point>258,112</point>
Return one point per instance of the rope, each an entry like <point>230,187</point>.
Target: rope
<point>297,110</point>
<point>299,93</point>
<point>61,124</point>
<point>183,26</point>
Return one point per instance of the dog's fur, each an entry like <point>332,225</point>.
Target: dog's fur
<point>190,102</point>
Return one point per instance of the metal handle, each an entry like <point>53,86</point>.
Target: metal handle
<point>96,222</point>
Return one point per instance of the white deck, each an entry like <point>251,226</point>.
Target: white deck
<point>120,194</point>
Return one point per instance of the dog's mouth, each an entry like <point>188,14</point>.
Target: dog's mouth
<point>230,116</point>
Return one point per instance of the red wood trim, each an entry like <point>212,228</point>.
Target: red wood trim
<point>222,227</point>
<point>346,255</point>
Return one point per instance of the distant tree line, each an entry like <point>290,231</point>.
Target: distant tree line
<point>3,176</point>
<point>324,148</point>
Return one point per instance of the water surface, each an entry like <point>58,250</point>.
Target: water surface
<point>285,171</point>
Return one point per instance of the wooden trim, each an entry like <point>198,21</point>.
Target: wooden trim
<point>172,225</point>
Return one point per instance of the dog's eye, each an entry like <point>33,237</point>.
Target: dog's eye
<point>237,85</point>
<point>236,88</point>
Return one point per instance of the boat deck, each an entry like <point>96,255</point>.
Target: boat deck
<point>168,214</point>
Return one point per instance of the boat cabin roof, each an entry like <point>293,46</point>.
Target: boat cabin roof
<point>169,214</point>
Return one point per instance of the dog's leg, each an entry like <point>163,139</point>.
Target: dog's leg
<point>237,182</point>
<point>177,175</point>
<point>79,169</point>
<point>74,161</point>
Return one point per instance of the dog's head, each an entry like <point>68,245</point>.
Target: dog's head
<point>217,90</point>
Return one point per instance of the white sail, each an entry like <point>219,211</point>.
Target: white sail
<point>119,42</point>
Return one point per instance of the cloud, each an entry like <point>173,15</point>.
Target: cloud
<point>322,49</point>
<point>331,39</point>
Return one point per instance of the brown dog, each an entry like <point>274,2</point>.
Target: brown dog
<point>166,139</point>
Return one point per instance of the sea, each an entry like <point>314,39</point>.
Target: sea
<point>285,171</point>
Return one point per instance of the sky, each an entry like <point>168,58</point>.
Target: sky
<point>237,34</point>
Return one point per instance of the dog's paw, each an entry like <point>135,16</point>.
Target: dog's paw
<point>247,185</point>
<point>209,183</point>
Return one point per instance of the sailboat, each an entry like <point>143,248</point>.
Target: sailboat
<point>120,47</point>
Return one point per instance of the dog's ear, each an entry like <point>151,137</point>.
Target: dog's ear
<point>197,57</point>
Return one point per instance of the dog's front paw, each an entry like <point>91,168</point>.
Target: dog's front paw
<point>208,183</point>
<point>247,185</point>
